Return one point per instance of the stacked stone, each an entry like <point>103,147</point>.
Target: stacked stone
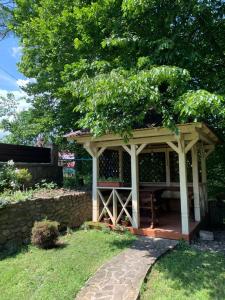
<point>17,220</point>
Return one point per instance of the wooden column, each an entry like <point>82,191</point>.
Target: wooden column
<point>95,153</point>
<point>135,187</point>
<point>120,164</point>
<point>167,159</point>
<point>95,199</point>
<point>115,210</point>
<point>204,178</point>
<point>183,187</point>
<point>195,175</point>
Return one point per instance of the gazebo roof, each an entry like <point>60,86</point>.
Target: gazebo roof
<point>154,135</point>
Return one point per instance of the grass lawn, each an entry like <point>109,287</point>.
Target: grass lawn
<point>58,273</point>
<point>186,273</point>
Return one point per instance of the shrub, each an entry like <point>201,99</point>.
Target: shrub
<point>23,176</point>
<point>45,234</point>
<point>12,178</point>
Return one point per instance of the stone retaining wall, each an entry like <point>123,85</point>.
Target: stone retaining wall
<point>16,220</point>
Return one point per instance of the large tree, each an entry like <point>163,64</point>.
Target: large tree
<point>116,61</point>
<point>117,64</point>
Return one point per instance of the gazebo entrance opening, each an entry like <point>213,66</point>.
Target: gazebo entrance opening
<point>156,181</point>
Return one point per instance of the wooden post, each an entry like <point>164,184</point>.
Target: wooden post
<point>167,159</point>
<point>115,211</point>
<point>183,187</point>
<point>204,179</point>
<point>195,176</point>
<point>120,164</point>
<point>95,199</point>
<point>135,188</point>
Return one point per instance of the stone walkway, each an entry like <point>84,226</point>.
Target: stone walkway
<point>121,278</point>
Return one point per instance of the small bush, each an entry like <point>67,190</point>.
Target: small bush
<point>23,176</point>
<point>12,178</point>
<point>45,234</point>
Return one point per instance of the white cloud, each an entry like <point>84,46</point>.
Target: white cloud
<point>16,51</point>
<point>24,82</point>
<point>21,104</point>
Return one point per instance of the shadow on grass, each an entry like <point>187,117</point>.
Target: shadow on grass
<point>193,270</point>
<point>16,250</point>
<point>13,251</point>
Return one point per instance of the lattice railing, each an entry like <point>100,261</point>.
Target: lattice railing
<point>115,203</point>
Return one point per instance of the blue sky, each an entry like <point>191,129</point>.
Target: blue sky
<point>10,77</point>
<point>9,56</point>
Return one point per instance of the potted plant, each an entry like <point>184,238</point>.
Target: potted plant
<point>125,222</point>
<point>110,182</point>
<point>106,218</point>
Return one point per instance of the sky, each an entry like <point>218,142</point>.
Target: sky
<point>10,78</point>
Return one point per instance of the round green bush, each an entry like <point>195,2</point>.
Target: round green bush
<point>45,234</point>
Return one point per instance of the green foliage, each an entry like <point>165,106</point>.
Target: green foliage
<point>23,176</point>
<point>45,234</point>
<point>12,178</point>
<point>10,196</point>
<point>44,185</point>
<point>8,105</point>
<point>111,60</point>
<point>112,64</point>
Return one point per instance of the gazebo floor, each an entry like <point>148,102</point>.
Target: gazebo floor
<point>169,227</point>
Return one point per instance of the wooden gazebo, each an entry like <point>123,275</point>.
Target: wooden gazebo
<point>155,150</point>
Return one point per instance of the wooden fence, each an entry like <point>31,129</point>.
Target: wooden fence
<point>24,154</point>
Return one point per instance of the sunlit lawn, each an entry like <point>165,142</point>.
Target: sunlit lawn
<point>58,273</point>
<point>186,273</point>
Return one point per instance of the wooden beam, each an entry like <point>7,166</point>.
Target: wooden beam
<point>173,146</point>
<point>95,198</point>
<point>209,151</point>
<point>204,178</point>
<point>120,151</point>
<point>146,132</point>
<point>141,148</point>
<point>101,151</point>
<point>196,189</point>
<point>167,159</point>
<point>135,189</point>
<point>90,151</point>
<point>126,149</point>
<point>191,144</point>
<point>183,187</point>
<point>144,140</point>
<point>204,137</point>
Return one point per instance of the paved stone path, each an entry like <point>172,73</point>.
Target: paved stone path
<point>121,278</point>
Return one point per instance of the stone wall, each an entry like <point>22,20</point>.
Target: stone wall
<point>16,220</point>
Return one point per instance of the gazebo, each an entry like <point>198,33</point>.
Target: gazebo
<point>161,182</point>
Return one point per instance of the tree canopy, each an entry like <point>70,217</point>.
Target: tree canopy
<point>109,63</point>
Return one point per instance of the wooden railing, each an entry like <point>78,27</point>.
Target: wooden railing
<point>115,198</point>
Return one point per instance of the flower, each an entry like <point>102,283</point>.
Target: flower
<point>13,184</point>
<point>10,163</point>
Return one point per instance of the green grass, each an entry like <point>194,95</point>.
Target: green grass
<point>186,274</point>
<point>58,273</point>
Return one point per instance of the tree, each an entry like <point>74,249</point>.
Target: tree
<point>72,44</point>
<point>8,105</point>
<point>112,64</point>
